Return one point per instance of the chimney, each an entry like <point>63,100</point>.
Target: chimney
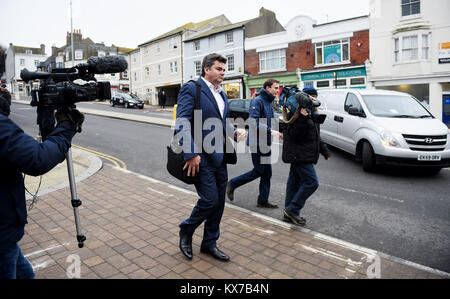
<point>54,50</point>
<point>42,49</point>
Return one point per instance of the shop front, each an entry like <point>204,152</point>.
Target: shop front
<point>233,88</point>
<point>351,77</point>
<point>255,83</point>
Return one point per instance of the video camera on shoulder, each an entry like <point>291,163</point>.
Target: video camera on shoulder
<point>309,103</point>
<point>57,89</point>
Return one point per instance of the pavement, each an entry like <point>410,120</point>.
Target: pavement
<point>131,225</point>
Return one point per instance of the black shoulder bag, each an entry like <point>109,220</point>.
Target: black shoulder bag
<point>175,161</point>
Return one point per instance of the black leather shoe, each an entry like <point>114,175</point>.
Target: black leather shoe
<point>287,219</point>
<point>186,244</point>
<point>267,205</point>
<point>230,192</point>
<point>215,253</point>
<point>294,218</point>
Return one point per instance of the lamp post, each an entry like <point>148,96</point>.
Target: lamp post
<point>71,34</point>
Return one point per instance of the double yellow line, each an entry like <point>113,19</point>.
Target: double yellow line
<point>117,162</point>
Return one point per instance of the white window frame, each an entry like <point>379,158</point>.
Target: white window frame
<point>174,67</point>
<point>230,66</point>
<point>263,59</point>
<point>196,46</point>
<point>36,63</point>
<point>173,43</point>
<point>410,8</point>
<point>159,70</point>
<point>28,52</point>
<point>198,68</point>
<point>77,55</point>
<point>22,62</point>
<point>423,49</point>
<point>322,45</point>
<point>229,40</point>
<point>125,74</point>
<point>147,71</point>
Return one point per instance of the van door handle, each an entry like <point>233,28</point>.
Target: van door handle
<point>339,119</point>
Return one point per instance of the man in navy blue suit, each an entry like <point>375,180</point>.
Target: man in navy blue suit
<point>208,160</point>
<point>20,153</point>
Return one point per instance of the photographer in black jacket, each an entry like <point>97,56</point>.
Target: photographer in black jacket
<point>301,148</point>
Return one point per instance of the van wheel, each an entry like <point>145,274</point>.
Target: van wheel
<point>368,157</point>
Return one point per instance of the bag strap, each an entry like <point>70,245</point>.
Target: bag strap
<point>196,106</point>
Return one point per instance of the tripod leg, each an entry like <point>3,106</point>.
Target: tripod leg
<point>75,201</point>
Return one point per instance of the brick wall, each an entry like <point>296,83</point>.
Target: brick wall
<point>358,55</point>
<point>301,54</point>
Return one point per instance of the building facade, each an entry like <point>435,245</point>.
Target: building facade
<point>83,49</point>
<point>17,59</point>
<point>410,50</point>
<point>229,41</point>
<point>330,55</point>
<point>157,65</point>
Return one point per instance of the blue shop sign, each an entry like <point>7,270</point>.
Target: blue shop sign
<point>357,72</point>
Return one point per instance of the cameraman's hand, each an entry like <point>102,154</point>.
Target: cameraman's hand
<point>71,118</point>
<point>304,112</point>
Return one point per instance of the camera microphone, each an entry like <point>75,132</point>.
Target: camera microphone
<point>105,64</point>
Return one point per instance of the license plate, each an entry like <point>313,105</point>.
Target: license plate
<point>429,158</point>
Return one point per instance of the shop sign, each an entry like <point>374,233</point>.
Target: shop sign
<point>444,53</point>
<point>358,72</point>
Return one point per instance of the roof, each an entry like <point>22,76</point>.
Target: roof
<point>343,20</point>
<point>19,49</point>
<point>218,30</point>
<point>181,29</point>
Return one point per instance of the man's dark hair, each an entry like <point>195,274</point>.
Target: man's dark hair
<point>270,82</point>
<point>209,61</point>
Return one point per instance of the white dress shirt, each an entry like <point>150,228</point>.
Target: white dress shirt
<point>217,96</point>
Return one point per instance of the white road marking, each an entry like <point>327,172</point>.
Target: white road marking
<point>364,193</point>
<point>159,192</point>
<point>45,250</point>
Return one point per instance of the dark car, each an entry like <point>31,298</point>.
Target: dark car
<point>126,100</point>
<point>240,108</point>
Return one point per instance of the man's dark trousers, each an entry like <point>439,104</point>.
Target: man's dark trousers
<point>263,171</point>
<point>210,206</point>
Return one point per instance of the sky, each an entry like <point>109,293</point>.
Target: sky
<point>130,23</point>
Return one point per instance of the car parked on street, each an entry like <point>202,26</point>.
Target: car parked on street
<point>383,127</point>
<point>239,108</point>
<point>126,100</point>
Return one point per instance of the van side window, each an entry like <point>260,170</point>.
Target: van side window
<point>352,101</point>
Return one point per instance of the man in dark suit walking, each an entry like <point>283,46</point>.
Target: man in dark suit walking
<point>209,162</point>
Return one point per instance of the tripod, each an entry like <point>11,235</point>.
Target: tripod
<point>76,202</point>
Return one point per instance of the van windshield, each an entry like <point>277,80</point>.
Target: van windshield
<point>395,106</point>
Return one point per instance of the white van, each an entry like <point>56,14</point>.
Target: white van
<point>384,127</point>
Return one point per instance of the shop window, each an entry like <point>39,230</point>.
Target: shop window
<point>340,82</point>
<point>323,83</point>
<point>357,81</point>
<point>309,84</point>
